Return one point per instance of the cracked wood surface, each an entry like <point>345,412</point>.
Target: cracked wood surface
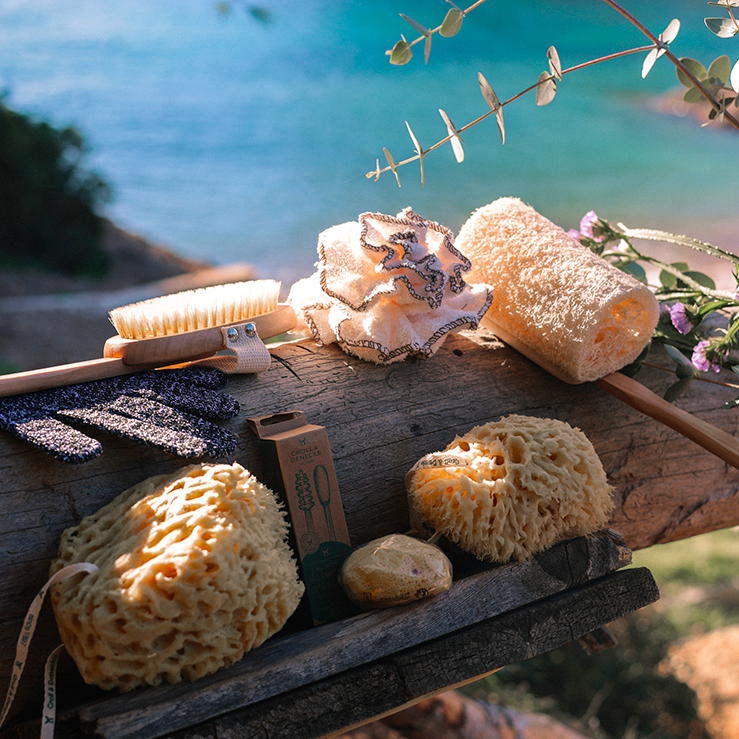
<point>380,420</point>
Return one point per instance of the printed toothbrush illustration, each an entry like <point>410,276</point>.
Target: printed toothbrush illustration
<point>310,538</point>
<point>323,490</point>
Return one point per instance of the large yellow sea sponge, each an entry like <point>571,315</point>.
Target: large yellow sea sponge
<point>511,488</point>
<point>193,571</point>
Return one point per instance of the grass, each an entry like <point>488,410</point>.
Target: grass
<point>622,693</point>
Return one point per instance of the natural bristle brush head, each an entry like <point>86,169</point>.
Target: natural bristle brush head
<point>192,310</point>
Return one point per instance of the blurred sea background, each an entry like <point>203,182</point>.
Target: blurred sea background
<point>240,137</point>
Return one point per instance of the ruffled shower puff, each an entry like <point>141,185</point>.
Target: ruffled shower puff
<point>387,288</point>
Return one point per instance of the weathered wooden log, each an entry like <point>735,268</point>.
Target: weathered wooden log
<point>380,420</point>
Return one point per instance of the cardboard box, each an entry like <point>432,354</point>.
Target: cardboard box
<point>300,469</point>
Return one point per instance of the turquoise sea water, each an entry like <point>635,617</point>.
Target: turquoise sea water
<point>235,139</point>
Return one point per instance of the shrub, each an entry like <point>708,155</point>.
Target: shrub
<point>48,202</point>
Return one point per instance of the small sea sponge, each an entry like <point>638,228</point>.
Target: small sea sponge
<point>511,488</point>
<point>193,571</point>
<point>393,570</point>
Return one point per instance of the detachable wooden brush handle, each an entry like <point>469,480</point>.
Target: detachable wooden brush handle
<point>123,356</point>
<point>633,393</point>
<point>723,445</point>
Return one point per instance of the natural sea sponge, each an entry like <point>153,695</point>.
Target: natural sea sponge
<point>393,570</point>
<point>511,488</point>
<point>193,571</point>
<point>554,299</point>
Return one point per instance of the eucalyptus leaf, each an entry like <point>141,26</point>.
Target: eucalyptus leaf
<point>455,141</point>
<point>401,53</point>
<point>452,23</point>
<point>555,66</point>
<point>649,61</point>
<point>720,69</point>
<point>694,95</point>
<point>420,28</point>
<point>734,79</point>
<point>492,100</point>
<point>695,67</point>
<point>427,49</point>
<point>670,33</point>
<point>546,89</point>
<point>722,27</point>
<point>419,150</point>
<point>724,4</point>
<point>677,389</point>
<point>392,164</point>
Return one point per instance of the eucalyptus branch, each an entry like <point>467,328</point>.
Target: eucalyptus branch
<point>393,165</point>
<point>547,83</point>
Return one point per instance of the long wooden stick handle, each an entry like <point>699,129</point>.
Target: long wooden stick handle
<point>723,445</point>
<point>65,374</point>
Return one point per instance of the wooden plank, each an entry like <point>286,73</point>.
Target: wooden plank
<point>380,421</point>
<point>283,664</point>
<point>362,694</point>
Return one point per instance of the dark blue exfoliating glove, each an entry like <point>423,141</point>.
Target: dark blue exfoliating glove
<point>167,409</point>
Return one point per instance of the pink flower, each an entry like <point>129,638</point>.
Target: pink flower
<point>679,318</point>
<point>701,361</point>
<point>586,225</point>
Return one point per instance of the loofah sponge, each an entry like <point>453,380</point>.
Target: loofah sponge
<point>194,570</point>
<point>578,313</point>
<point>518,485</point>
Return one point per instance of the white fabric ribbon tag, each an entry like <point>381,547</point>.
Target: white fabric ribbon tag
<point>24,643</point>
<point>249,354</point>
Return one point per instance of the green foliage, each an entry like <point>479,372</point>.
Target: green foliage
<point>616,693</point>
<point>48,202</point>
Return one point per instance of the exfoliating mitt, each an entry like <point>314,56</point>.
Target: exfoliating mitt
<point>193,571</point>
<point>582,316</point>
<point>387,288</point>
<point>511,488</point>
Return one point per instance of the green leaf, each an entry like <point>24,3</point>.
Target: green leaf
<point>677,389</point>
<point>492,100</point>
<point>667,279</point>
<point>427,49</point>
<point>694,95</point>
<point>452,23</point>
<point>701,279</point>
<point>695,67</point>
<point>546,89</point>
<point>455,141</point>
<point>636,271</point>
<point>401,53</point>
<point>720,69</point>
<point>420,28</point>
<point>555,66</point>
<point>722,27</point>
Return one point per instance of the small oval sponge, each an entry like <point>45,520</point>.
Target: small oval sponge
<point>524,483</point>
<point>393,570</point>
<point>193,571</point>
